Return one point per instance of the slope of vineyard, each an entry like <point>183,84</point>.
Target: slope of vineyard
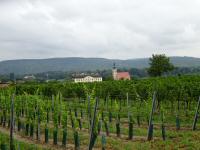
<point>111,115</point>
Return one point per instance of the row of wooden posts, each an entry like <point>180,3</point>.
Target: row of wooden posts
<point>93,135</point>
<point>150,128</point>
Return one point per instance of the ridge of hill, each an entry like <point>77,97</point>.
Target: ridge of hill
<point>32,66</point>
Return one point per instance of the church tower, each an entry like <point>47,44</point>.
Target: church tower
<point>114,72</point>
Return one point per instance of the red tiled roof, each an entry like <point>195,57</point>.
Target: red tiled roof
<point>123,75</point>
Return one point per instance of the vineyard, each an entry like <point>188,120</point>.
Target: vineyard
<point>153,113</point>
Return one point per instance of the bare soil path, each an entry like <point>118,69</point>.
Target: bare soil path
<point>39,144</point>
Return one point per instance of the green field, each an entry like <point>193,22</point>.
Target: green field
<point>60,115</point>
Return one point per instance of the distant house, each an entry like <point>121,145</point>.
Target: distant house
<point>87,78</point>
<point>120,75</point>
<point>29,78</point>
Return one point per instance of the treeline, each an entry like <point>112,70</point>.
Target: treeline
<point>106,74</point>
<point>168,88</point>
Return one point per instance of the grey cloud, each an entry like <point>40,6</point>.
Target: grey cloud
<point>98,28</point>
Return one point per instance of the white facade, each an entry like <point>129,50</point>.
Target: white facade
<point>114,73</point>
<point>32,77</point>
<point>88,79</point>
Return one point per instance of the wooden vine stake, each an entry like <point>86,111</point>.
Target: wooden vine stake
<point>150,129</point>
<point>38,123</point>
<point>92,136</point>
<point>196,116</point>
<point>12,123</point>
<point>127,101</point>
<point>103,137</point>
<point>89,114</point>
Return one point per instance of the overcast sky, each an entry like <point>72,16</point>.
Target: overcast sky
<point>99,28</point>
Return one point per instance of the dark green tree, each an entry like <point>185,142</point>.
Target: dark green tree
<point>159,64</point>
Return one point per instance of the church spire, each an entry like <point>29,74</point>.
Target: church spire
<point>114,67</point>
<point>114,72</point>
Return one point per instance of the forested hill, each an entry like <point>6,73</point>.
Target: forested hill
<point>29,66</point>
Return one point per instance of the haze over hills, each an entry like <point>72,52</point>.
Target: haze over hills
<point>32,66</point>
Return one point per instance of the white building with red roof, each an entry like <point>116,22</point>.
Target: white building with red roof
<point>87,78</point>
<point>120,75</point>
